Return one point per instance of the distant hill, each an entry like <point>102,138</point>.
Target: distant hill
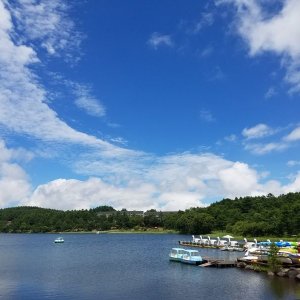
<point>248,216</point>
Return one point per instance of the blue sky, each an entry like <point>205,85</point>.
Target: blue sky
<point>148,104</point>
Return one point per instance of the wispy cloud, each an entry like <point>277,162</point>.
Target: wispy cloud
<point>206,116</point>
<point>271,92</point>
<point>263,132</point>
<point>206,20</point>
<point>264,148</point>
<point>23,99</point>
<point>266,32</point>
<point>86,101</point>
<point>206,52</point>
<point>47,23</point>
<point>293,163</point>
<point>230,138</point>
<point>217,74</point>
<point>258,131</point>
<point>294,135</point>
<point>157,40</point>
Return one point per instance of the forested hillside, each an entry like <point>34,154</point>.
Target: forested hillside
<point>248,216</point>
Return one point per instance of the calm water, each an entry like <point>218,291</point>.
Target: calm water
<point>122,266</point>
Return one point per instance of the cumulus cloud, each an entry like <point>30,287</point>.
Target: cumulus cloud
<point>294,186</point>
<point>157,40</point>
<point>172,182</point>
<point>276,32</point>
<point>14,182</point>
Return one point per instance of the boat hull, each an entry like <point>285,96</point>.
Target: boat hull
<point>193,262</point>
<point>175,259</point>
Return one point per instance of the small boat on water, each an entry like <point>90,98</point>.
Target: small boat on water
<point>176,254</point>
<point>187,256</point>
<point>192,257</point>
<point>59,240</point>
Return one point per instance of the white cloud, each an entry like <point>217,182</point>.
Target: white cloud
<point>14,183</point>
<point>262,148</point>
<point>294,186</point>
<point>172,182</point>
<point>86,101</point>
<point>293,136</point>
<point>278,33</point>
<point>257,131</point>
<point>271,92</point>
<point>261,131</point>
<point>206,20</point>
<point>48,23</point>
<point>230,138</point>
<point>239,179</point>
<point>157,40</point>
<point>293,163</point>
<point>195,27</point>
<point>23,100</point>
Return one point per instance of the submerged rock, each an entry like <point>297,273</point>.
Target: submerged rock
<point>281,274</point>
<point>241,265</point>
<point>292,273</point>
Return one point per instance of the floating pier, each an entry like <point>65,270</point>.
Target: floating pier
<point>218,263</point>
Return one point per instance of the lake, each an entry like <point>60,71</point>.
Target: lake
<point>123,266</point>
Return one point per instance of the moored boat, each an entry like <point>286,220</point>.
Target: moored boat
<point>187,256</point>
<point>59,240</point>
<point>176,254</point>
<point>192,257</point>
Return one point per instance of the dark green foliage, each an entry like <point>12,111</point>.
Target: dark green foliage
<point>103,208</point>
<point>248,216</point>
<point>273,258</point>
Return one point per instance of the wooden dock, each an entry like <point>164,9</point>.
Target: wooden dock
<point>197,245</point>
<point>218,263</point>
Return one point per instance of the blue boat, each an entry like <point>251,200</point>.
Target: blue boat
<point>176,254</point>
<point>186,256</point>
<point>192,257</point>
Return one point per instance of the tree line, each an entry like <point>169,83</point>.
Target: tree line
<point>247,216</point>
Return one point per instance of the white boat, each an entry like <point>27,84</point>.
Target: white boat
<point>59,240</point>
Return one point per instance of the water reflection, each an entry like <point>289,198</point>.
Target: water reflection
<point>284,288</point>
